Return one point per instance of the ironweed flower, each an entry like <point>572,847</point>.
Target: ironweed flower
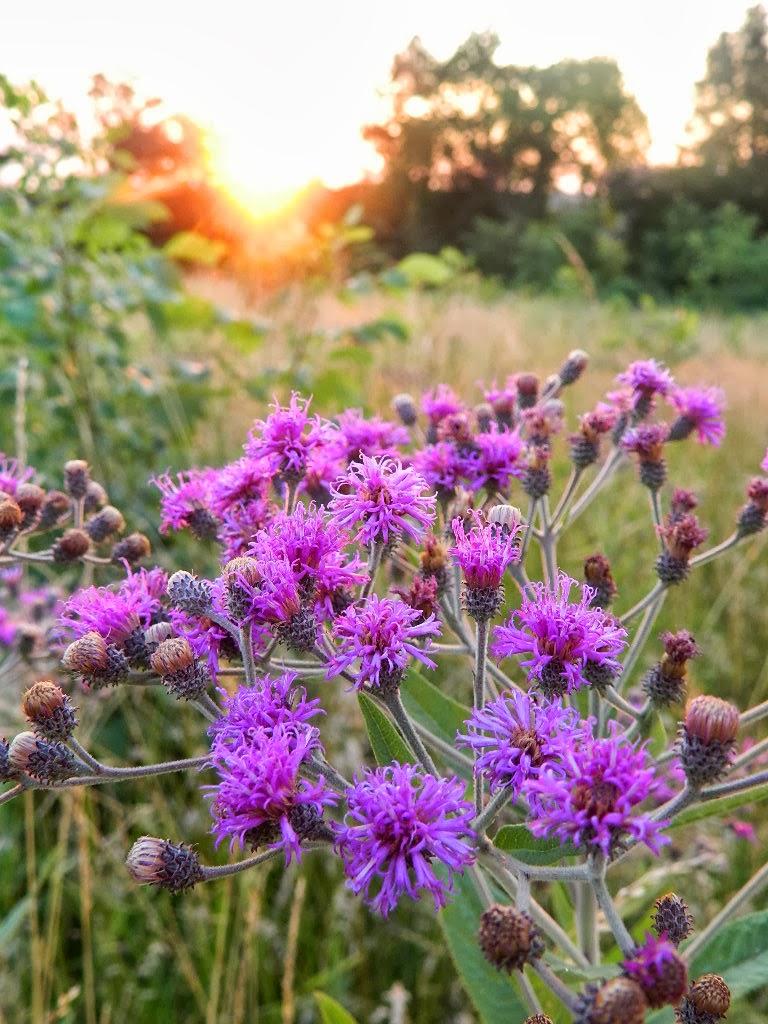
<point>496,462</point>
<point>647,442</point>
<point>585,446</point>
<point>518,737</point>
<point>560,637</point>
<point>358,436</point>
<point>483,553</point>
<point>381,499</point>
<point>699,409</point>
<point>186,502</point>
<point>13,474</point>
<point>171,866</point>
<point>287,437</point>
<point>681,534</point>
<point>261,798</point>
<point>382,634</point>
<point>593,800</point>
<point>707,738</point>
<point>646,378</point>
<point>508,938</point>
<point>443,467</point>
<point>400,821</point>
<point>274,703</point>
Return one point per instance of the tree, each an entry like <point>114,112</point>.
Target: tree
<point>467,137</point>
<point>730,124</point>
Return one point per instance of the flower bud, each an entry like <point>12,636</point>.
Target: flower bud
<point>160,862</point>
<point>537,478</point>
<point>44,761</point>
<point>617,1001</point>
<point>239,574</point>
<point>664,684</point>
<point>56,508</point>
<point>71,545</point>
<point>105,524</point>
<point>707,737</point>
<point>597,574</point>
<point>11,518</point>
<point>753,516</point>
<point>710,997</point>
<point>188,593</point>
<point>49,710</point>
<point>573,367</point>
<point>131,549</point>
<point>30,498</point>
<point>182,674</point>
<point>509,517</point>
<point>672,918</point>
<point>6,771</point>
<point>77,476</point>
<point>484,416</point>
<point>527,385</point>
<point>95,497</point>
<point>405,407</point>
<point>95,661</point>
<point>508,938</point>
<point>660,971</point>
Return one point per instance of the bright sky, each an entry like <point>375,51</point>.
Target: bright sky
<point>286,84</point>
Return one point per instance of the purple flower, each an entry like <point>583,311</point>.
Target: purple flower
<point>113,615</point>
<point>647,378</point>
<point>7,628</point>
<point>272,704</point>
<point>660,971</point>
<point>359,436</point>
<point>443,466</point>
<point>261,799</point>
<point>497,461</point>
<point>764,463</point>
<point>484,552</point>
<point>314,548</point>
<point>699,409</point>
<point>593,800</point>
<point>240,525</point>
<point>646,441</point>
<point>560,637</point>
<point>238,484</point>
<point>287,437</point>
<point>12,474</point>
<point>381,634</point>
<point>186,502</point>
<point>439,403</point>
<point>383,500</point>
<point>401,820</point>
<point>147,587</point>
<point>518,737</point>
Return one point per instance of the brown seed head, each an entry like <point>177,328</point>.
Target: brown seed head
<point>710,994</point>
<point>172,655</point>
<point>71,545</point>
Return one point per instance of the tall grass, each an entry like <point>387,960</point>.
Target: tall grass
<point>80,943</point>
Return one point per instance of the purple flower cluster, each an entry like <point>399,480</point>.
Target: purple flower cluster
<point>559,638</point>
<point>483,552</point>
<point>287,438</point>
<point>115,613</point>
<point>400,821</point>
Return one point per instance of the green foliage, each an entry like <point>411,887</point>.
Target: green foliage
<point>386,742</point>
<point>332,1012</point>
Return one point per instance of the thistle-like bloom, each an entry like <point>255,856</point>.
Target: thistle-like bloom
<point>483,553</point>
<point>699,409</point>
<point>496,462</point>
<point>646,378</point>
<point>113,615</point>
<point>272,704</point>
<point>681,535</point>
<point>359,436</point>
<point>443,467</point>
<point>382,634</point>
<point>560,637</point>
<point>593,801</point>
<point>261,799</point>
<point>400,821</point>
<point>382,500</point>
<point>287,437</point>
<point>439,403</point>
<point>238,484</point>
<point>186,502</point>
<point>13,474</point>
<point>518,737</point>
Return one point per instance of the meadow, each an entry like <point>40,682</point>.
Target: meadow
<point>79,942</point>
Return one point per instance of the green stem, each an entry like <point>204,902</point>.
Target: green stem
<point>481,652</point>
<point>638,640</point>
<point>707,556</point>
<point>553,983</point>
<point>245,643</point>
<point>737,786</point>
<point>374,561</point>
<point>222,870</point>
<point>394,705</point>
<point>615,923</point>
<point>605,471</point>
<point>548,543</point>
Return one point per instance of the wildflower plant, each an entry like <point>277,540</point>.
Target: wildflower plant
<point>365,556</point>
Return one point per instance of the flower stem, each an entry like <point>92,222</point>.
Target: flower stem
<point>394,704</point>
<point>222,870</point>
<point>594,488</point>
<point>245,643</point>
<point>566,497</point>
<point>481,652</point>
<point>737,786</point>
<point>641,605</point>
<point>548,542</point>
<point>707,556</point>
<point>374,561</point>
<point>487,814</point>
<point>643,630</point>
<point>615,923</point>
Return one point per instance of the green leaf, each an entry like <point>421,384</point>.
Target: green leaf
<point>421,268</point>
<point>386,742</point>
<point>432,708</point>
<point>723,805</point>
<point>493,993</point>
<point>380,329</point>
<point>517,840</point>
<point>332,1012</point>
<point>194,248</point>
<point>244,335</point>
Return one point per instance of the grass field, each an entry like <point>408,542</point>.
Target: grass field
<point>80,943</point>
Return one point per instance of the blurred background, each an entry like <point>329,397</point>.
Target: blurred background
<point>205,206</point>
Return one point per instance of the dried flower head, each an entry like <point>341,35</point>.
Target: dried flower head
<point>508,938</point>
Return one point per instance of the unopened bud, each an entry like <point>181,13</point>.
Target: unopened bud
<point>95,497</point>
<point>11,518</point>
<point>95,661</point>
<point>573,367</point>
<point>485,416</point>
<point>239,574</point>
<point>30,498</point>
<point>77,476</point>
<point>44,761</point>
<point>508,938</point>
<point>527,385</point>
<point>131,549</point>
<point>71,545</point>
<point>160,862</point>
<point>672,918</point>
<point>56,508</point>
<point>405,407</point>
<point>709,995</point>
<point>597,574</point>
<point>707,738</point>
<point>49,710</point>
<point>182,673</point>
<point>189,594</point>
<point>538,1018</point>
<point>105,524</point>
<point>508,517</point>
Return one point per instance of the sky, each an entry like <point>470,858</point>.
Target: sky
<point>284,85</point>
